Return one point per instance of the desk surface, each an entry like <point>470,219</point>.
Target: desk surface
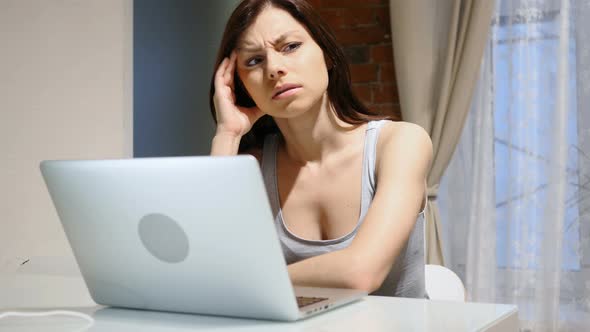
<point>372,313</point>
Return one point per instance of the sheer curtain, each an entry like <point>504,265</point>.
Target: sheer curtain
<point>515,200</point>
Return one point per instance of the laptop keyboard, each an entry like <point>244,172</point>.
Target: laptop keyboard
<point>303,301</point>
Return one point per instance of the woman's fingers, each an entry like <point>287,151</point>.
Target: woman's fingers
<point>228,76</point>
<point>224,76</point>
<point>219,74</point>
<point>231,68</point>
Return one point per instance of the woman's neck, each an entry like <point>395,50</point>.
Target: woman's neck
<point>317,133</point>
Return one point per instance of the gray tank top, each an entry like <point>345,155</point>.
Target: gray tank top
<point>406,277</point>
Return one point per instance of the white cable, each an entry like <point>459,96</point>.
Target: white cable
<point>89,319</point>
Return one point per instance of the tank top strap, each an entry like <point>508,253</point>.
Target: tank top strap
<point>370,154</point>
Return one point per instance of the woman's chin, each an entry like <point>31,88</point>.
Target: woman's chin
<point>293,110</point>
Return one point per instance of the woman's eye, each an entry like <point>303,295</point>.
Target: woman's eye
<point>291,47</point>
<point>253,61</point>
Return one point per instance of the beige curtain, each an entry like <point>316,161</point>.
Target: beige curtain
<point>438,47</point>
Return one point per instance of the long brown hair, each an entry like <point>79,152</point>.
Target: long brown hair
<point>347,106</point>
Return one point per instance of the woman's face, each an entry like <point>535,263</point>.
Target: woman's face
<point>281,66</point>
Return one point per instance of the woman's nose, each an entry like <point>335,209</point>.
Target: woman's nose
<point>275,67</point>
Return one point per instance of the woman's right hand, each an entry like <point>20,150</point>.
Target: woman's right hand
<point>232,120</point>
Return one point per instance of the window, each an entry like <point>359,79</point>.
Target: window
<point>526,57</point>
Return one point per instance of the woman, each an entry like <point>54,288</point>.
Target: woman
<point>346,190</point>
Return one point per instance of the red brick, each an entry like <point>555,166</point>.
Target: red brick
<point>385,93</point>
<point>363,72</point>
<point>361,35</point>
<point>357,16</point>
<point>348,17</point>
<point>362,27</point>
<point>356,54</point>
<point>333,17</point>
<point>363,92</point>
<point>386,72</point>
<point>382,53</point>
<point>381,17</point>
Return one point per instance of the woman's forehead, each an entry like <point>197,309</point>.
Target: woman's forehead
<point>254,44</point>
<point>271,25</point>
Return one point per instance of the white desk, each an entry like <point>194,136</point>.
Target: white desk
<point>370,314</point>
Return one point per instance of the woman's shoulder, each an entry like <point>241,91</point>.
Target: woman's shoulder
<point>401,131</point>
<point>400,139</point>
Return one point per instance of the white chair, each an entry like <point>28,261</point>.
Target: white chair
<point>440,282</point>
<point>443,284</point>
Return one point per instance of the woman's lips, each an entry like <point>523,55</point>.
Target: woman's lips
<point>287,93</point>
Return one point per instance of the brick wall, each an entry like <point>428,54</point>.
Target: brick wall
<point>362,28</point>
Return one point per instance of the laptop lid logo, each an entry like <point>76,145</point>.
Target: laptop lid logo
<point>163,237</point>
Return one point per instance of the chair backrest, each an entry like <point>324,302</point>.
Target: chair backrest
<point>440,282</point>
<point>443,284</point>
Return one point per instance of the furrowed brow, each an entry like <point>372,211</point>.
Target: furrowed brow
<point>247,46</point>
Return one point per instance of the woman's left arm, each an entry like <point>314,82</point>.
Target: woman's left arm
<point>404,154</point>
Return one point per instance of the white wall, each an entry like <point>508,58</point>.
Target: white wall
<point>65,93</point>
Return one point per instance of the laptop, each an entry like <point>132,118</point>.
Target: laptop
<point>181,234</point>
